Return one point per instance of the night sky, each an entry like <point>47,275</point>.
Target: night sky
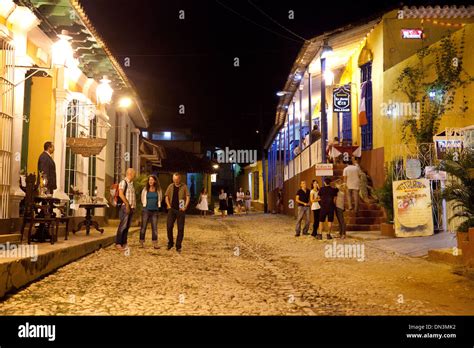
<point>191,61</point>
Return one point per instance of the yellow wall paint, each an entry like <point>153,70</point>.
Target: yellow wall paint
<point>41,120</point>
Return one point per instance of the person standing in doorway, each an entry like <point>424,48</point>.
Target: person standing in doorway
<point>240,199</point>
<point>223,202</point>
<point>127,205</point>
<point>151,202</point>
<point>202,205</point>
<point>352,180</point>
<point>47,166</point>
<point>177,201</point>
<point>315,207</point>
<point>302,199</point>
<point>327,195</point>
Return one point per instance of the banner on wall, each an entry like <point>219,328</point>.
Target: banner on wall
<point>412,208</point>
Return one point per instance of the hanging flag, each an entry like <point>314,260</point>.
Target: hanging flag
<point>362,110</point>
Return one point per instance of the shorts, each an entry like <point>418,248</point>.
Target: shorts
<point>326,213</point>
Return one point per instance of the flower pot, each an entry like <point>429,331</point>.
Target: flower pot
<point>86,146</point>
<point>387,229</point>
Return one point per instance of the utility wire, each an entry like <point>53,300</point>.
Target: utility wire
<point>275,21</point>
<point>255,23</point>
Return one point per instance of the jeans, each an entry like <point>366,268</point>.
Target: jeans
<point>315,221</point>
<point>303,212</point>
<point>340,219</point>
<point>353,194</point>
<point>173,215</point>
<point>148,215</point>
<point>124,225</point>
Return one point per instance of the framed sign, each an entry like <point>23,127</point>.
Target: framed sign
<point>412,208</point>
<point>324,169</point>
<point>341,99</point>
<point>413,168</point>
<point>412,33</point>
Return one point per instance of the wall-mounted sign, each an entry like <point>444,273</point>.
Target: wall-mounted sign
<point>412,207</point>
<point>324,169</point>
<point>341,97</point>
<point>213,177</point>
<point>431,173</point>
<point>412,34</point>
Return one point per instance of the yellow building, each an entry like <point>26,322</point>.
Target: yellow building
<point>375,52</point>
<point>53,63</point>
<point>251,179</point>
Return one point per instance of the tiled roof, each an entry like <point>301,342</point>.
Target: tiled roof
<point>448,12</point>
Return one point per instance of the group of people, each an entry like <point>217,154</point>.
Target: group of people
<point>329,201</point>
<point>226,202</point>
<point>177,200</point>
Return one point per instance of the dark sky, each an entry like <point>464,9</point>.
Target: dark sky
<point>191,61</point>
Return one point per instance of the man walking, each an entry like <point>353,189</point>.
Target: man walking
<point>177,201</point>
<point>351,179</point>
<point>47,166</point>
<point>127,204</point>
<point>302,198</point>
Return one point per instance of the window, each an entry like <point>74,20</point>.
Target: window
<point>72,116</point>
<point>366,76</point>
<point>347,127</point>
<point>92,174</point>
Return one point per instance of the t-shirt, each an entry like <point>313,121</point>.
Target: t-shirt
<point>327,194</point>
<point>303,196</point>
<point>151,201</point>
<point>240,196</point>
<point>352,174</point>
<point>175,200</point>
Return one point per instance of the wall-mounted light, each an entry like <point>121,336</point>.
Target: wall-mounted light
<point>104,91</point>
<point>6,8</point>
<point>125,102</point>
<point>62,53</point>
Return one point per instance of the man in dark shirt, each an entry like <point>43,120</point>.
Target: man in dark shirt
<point>302,198</point>
<point>177,201</point>
<point>328,195</point>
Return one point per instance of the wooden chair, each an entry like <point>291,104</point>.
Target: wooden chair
<point>32,213</point>
<point>62,219</point>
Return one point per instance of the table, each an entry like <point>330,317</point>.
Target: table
<point>42,231</point>
<point>88,222</point>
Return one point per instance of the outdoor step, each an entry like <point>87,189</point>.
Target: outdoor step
<point>374,227</point>
<point>12,238</point>
<point>365,213</point>
<point>364,220</point>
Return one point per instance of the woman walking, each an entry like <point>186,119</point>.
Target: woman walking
<point>223,202</point>
<point>315,207</point>
<point>151,200</point>
<point>202,205</point>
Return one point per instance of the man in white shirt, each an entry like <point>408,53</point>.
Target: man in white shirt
<point>351,179</point>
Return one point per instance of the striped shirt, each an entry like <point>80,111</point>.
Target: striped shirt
<point>130,193</point>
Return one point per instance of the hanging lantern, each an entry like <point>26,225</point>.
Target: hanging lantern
<point>104,91</point>
<point>62,53</point>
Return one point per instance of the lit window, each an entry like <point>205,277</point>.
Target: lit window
<point>145,134</point>
<point>167,135</point>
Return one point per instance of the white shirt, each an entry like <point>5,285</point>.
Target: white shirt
<point>314,195</point>
<point>352,174</point>
<point>240,196</point>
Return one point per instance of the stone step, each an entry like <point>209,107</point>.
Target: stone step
<point>364,220</point>
<point>12,238</point>
<point>364,213</point>
<point>374,227</point>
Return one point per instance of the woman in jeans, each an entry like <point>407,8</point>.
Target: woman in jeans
<point>151,200</point>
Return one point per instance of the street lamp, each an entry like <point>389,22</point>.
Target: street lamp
<point>104,91</point>
<point>282,93</point>
<point>125,102</point>
<point>326,50</point>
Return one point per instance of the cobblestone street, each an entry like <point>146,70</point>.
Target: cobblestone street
<point>245,265</point>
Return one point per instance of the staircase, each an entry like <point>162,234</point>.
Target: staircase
<point>368,218</point>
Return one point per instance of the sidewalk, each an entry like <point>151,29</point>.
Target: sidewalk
<point>16,272</point>
<point>415,246</point>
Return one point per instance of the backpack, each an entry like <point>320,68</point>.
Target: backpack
<point>115,200</point>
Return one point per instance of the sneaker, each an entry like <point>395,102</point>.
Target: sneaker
<point>119,247</point>
<point>156,246</point>
<point>169,247</point>
<point>297,235</point>
<point>319,237</point>
<point>178,250</point>
<point>329,236</point>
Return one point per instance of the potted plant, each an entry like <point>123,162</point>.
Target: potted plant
<point>460,190</point>
<point>385,197</point>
